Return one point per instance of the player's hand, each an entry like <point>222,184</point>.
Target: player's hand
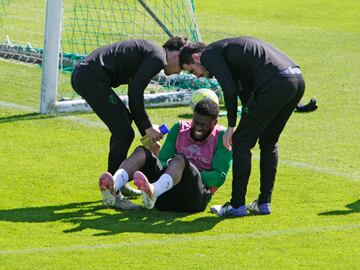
<point>154,133</point>
<point>227,138</point>
<point>155,148</point>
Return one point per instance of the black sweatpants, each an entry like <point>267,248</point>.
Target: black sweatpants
<point>263,118</point>
<point>189,195</point>
<point>111,110</point>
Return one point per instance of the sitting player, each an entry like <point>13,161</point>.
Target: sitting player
<point>193,163</point>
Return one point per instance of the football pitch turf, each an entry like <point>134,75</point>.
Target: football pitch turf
<point>50,211</point>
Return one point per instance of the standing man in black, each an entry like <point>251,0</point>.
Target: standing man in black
<point>269,85</point>
<point>132,62</point>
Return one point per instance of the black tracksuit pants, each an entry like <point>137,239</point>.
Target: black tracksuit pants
<point>263,118</point>
<point>111,110</point>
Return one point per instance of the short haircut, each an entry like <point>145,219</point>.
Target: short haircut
<point>207,107</point>
<point>175,43</point>
<point>187,51</point>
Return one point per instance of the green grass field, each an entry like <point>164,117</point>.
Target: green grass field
<point>50,210</point>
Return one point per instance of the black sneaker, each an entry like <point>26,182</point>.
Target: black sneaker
<point>122,203</point>
<point>311,106</point>
<point>130,192</point>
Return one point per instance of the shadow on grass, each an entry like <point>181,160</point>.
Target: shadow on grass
<point>91,215</point>
<point>186,115</point>
<point>352,208</point>
<point>26,116</point>
<point>36,116</point>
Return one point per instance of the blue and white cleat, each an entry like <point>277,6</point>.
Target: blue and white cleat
<point>228,210</point>
<point>259,208</point>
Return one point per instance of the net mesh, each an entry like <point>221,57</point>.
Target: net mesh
<point>90,24</point>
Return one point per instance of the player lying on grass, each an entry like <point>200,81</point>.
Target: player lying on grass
<point>192,164</point>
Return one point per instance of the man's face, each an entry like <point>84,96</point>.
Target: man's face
<point>196,68</point>
<point>173,66</point>
<point>172,69</point>
<point>202,126</point>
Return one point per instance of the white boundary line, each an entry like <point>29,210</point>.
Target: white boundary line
<point>186,239</point>
<point>85,122</point>
<point>82,121</point>
<point>15,106</point>
<point>355,176</point>
<point>349,175</point>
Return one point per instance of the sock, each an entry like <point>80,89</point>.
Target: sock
<point>162,185</point>
<point>121,177</point>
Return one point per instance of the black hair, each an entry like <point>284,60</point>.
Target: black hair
<point>207,107</point>
<point>175,43</point>
<point>186,52</point>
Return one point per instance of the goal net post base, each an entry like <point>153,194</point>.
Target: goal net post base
<point>158,100</point>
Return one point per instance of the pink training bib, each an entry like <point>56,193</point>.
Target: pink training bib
<point>199,153</point>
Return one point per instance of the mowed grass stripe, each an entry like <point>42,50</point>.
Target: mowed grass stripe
<point>171,241</point>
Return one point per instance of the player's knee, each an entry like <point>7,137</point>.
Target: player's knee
<point>125,135</point>
<point>178,160</point>
<point>130,134</point>
<point>242,148</point>
<point>242,142</point>
<point>268,145</point>
<point>139,154</point>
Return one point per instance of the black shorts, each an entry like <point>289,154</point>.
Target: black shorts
<point>189,195</point>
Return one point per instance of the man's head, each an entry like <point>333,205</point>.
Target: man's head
<point>190,59</point>
<point>206,113</point>
<point>172,48</point>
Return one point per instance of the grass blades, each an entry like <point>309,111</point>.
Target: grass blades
<point>50,210</point>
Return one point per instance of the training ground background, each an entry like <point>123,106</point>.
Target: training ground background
<point>50,211</point>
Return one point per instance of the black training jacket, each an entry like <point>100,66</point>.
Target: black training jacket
<point>132,62</point>
<point>242,65</point>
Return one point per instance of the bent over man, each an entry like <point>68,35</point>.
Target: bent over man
<point>133,62</point>
<point>269,85</point>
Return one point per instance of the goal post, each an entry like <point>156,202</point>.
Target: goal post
<point>50,64</point>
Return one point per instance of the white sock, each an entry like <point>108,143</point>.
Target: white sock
<point>121,177</point>
<point>162,185</point>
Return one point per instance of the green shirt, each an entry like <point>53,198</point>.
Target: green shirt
<point>221,161</point>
